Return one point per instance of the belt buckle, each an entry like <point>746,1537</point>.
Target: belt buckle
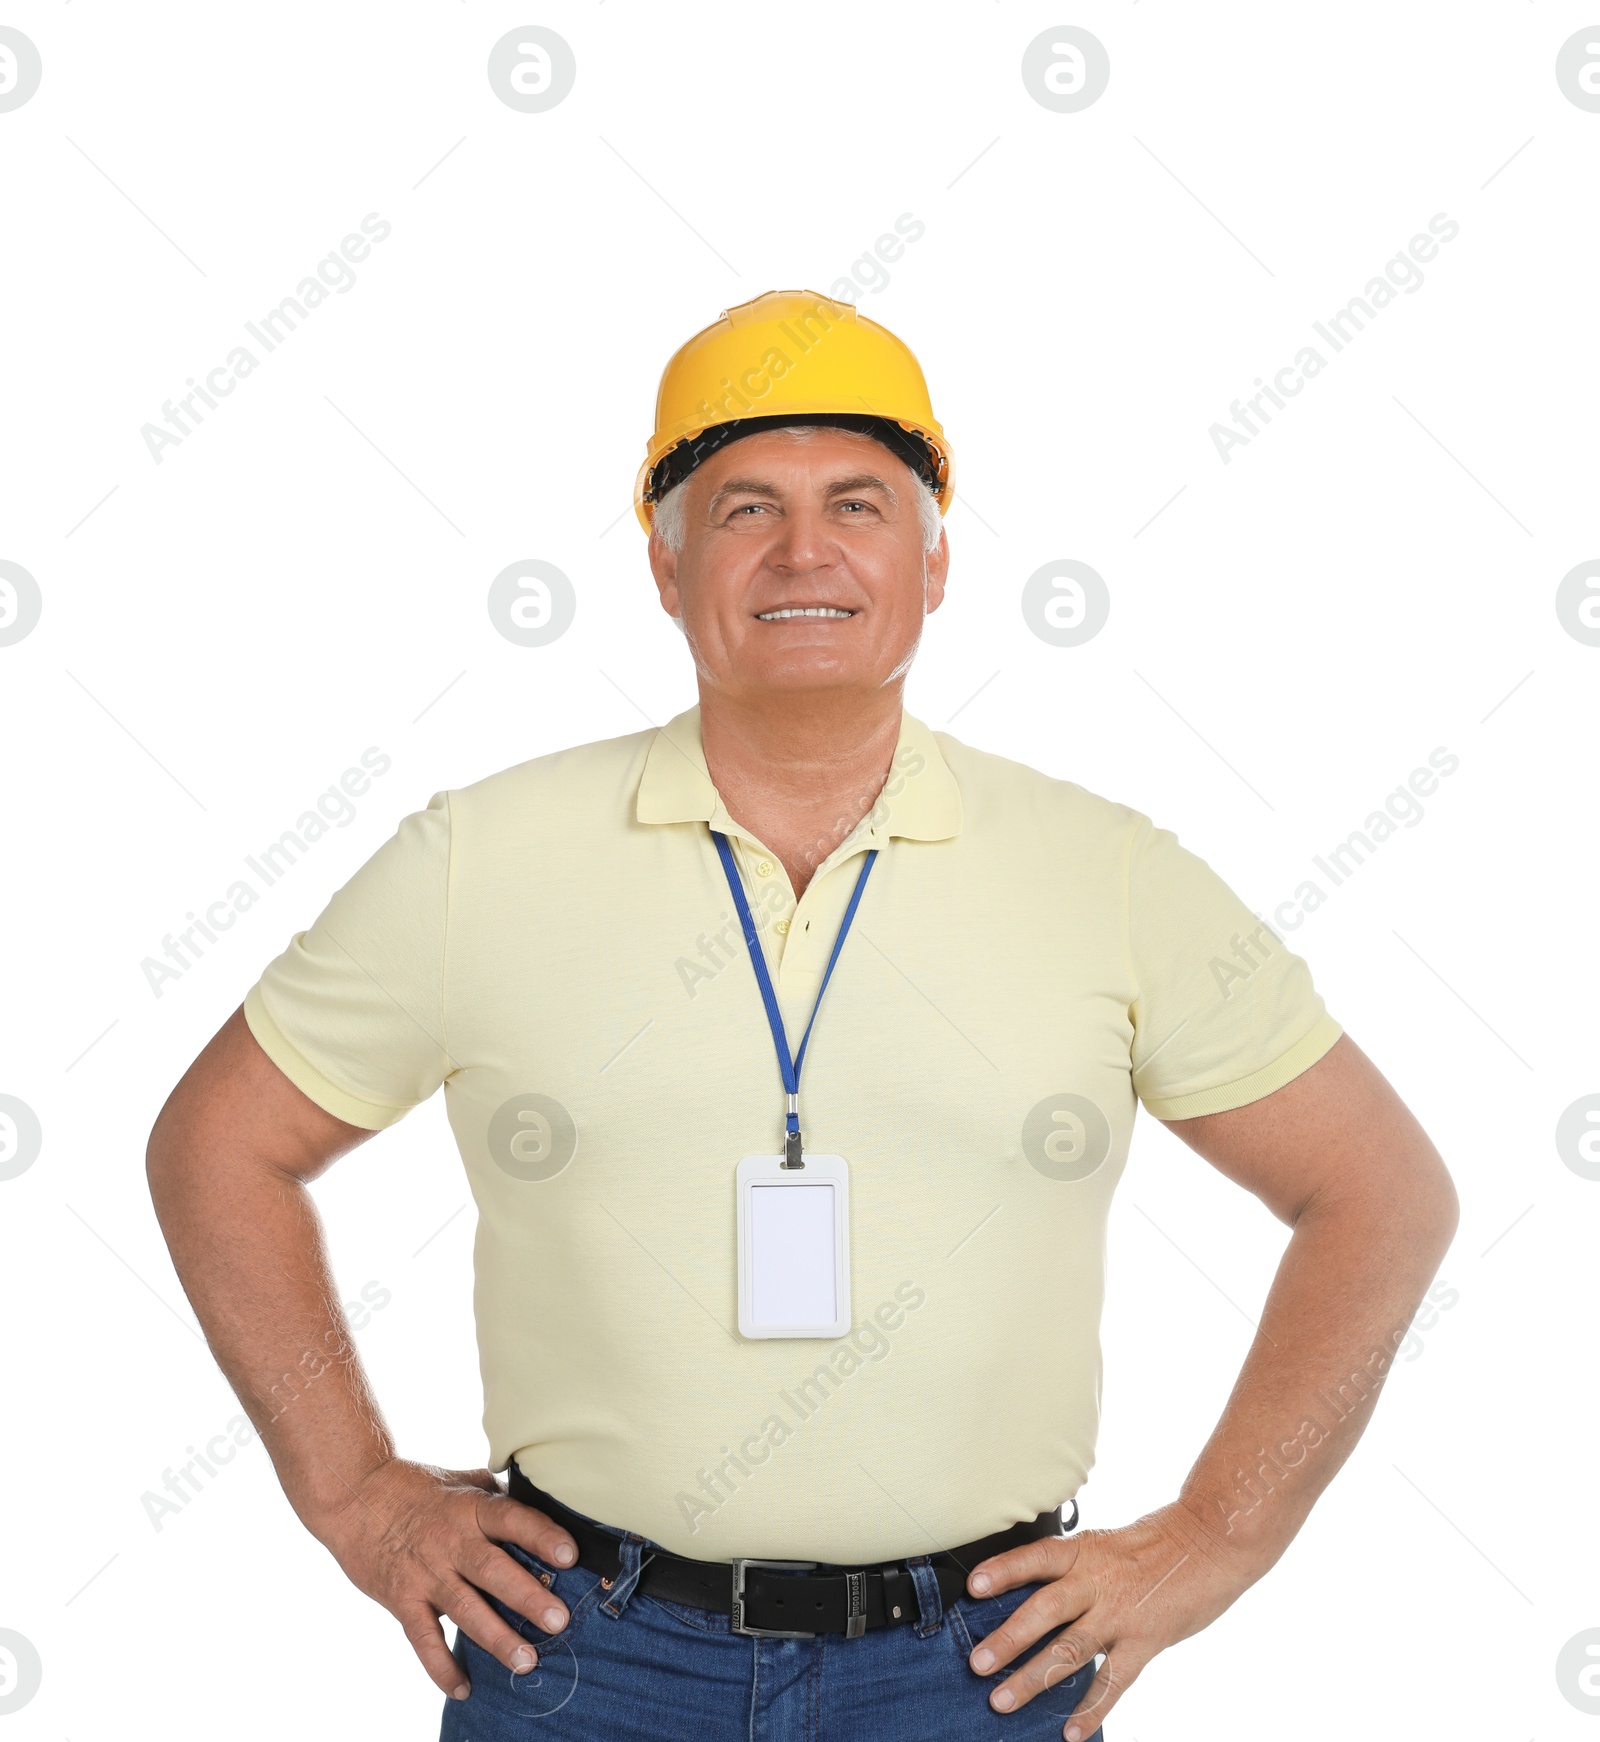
<point>738,1620</point>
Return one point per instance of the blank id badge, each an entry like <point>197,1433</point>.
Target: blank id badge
<point>794,1247</point>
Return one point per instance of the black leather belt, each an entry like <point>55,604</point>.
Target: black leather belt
<point>787,1599</point>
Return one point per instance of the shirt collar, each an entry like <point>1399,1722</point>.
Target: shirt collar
<point>921,799</point>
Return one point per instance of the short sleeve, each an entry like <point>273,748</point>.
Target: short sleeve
<point>1225,1012</point>
<point>352,1012</point>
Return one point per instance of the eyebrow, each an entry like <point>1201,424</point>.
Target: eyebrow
<point>840,487</point>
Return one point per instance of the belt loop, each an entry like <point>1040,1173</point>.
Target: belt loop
<point>630,1551</point>
<point>929,1602</point>
<point>896,1596</point>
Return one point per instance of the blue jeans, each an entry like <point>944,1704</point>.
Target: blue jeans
<point>630,1667</point>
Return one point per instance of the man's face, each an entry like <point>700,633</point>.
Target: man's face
<point>777,522</point>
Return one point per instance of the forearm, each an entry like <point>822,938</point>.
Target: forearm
<point>228,1163</point>
<point>1335,1154</point>
<point>225,1175</point>
<point>1350,1280</point>
<point>257,1274</point>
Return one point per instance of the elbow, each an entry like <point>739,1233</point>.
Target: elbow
<point>1437,1209</point>
<point>161,1155</point>
<point>1452,1207</point>
<point>155,1160</point>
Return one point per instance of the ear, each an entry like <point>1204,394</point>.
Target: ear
<point>936,565</point>
<point>664,566</point>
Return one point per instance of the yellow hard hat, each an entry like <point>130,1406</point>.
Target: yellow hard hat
<point>774,360</point>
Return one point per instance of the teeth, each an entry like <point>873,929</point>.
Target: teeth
<point>803,611</point>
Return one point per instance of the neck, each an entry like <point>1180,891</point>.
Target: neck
<point>799,772</point>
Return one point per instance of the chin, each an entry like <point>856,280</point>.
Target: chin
<point>799,676</point>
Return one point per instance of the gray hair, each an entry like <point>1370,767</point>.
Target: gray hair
<point>669,515</point>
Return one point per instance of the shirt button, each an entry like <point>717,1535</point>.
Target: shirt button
<point>764,869</point>
<point>782,928</point>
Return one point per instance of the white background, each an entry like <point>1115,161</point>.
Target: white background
<point>1372,577</point>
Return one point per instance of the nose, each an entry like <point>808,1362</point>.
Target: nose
<point>803,544</point>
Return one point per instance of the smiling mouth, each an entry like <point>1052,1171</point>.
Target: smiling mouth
<point>788,611</point>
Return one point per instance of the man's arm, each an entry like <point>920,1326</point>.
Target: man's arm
<point>1337,1156</point>
<point>229,1160</point>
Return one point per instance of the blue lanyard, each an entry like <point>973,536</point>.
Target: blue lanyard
<point>789,1066</point>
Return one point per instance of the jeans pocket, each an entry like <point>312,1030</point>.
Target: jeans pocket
<point>579,1589</point>
<point>498,1694</point>
<point>973,1619</point>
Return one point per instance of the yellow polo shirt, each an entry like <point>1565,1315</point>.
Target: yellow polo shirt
<point>556,945</point>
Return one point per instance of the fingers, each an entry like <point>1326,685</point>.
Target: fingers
<point>1052,1557</point>
<point>508,1520</point>
<point>483,1626</point>
<point>1104,1691</point>
<point>422,1629</point>
<point>1052,1606</point>
<point>491,1569</point>
<point>1061,1659</point>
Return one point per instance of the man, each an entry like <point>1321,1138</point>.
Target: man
<point>887,1381</point>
